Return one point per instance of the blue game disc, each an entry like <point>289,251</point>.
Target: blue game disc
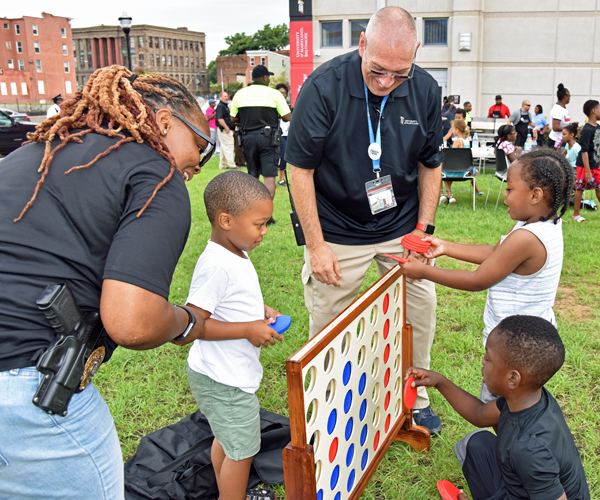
<point>363,435</point>
<point>320,494</point>
<point>362,383</point>
<point>348,401</point>
<point>331,421</point>
<point>335,475</point>
<point>349,428</point>
<point>365,457</point>
<point>350,455</point>
<point>282,323</point>
<point>363,410</point>
<point>351,480</point>
<point>347,373</point>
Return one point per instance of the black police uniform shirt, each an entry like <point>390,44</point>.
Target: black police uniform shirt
<point>329,133</point>
<point>223,113</point>
<point>536,453</point>
<point>81,229</point>
<point>258,106</point>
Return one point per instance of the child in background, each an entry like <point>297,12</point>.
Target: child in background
<point>459,132</point>
<point>533,455</point>
<point>224,369</point>
<point>588,170</point>
<point>521,272</point>
<point>571,149</point>
<point>507,134</point>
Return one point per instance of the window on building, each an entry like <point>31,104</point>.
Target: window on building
<point>66,65</point>
<point>19,48</point>
<point>132,42</point>
<point>35,30</point>
<point>185,44</point>
<point>141,60</point>
<point>252,61</point>
<point>176,61</point>
<point>82,81</point>
<point>65,51</point>
<point>68,87</point>
<point>5,26</point>
<point>63,33</point>
<point>141,42</point>
<point>181,61</point>
<point>168,43</point>
<point>179,46</point>
<point>151,59</point>
<point>162,43</point>
<point>11,64</point>
<point>36,47</point>
<point>201,46</point>
<point>17,29</point>
<point>356,28</point>
<point>192,61</point>
<point>331,34</point>
<point>170,61</point>
<point>436,32</point>
<point>196,46</point>
<point>88,48</point>
<point>283,62</point>
<point>197,62</point>
<point>156,42</point>
<point>41,89</point>
<point>164,60</point>
<point>187,61</point>
<point>150,42</point>
<point>4,122</point>
<point>8,45</point>
<point>263,61</point>
<point>38,65</point>
<point>23,88</point>
<point>21,65</point>
<point>182,79</point>
<point>13,88</point>
<point>133,61</point>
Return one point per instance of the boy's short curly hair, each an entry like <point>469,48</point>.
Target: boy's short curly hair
<point>531,344</point>
<point>234,193</point>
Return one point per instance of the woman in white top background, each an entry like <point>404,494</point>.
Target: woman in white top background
<point>559,116</point>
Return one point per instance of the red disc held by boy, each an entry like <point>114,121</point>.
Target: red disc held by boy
<point>447,490</point>
<point>414,243</point>
<point>410,393</point>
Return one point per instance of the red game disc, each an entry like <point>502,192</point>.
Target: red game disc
<point>414,243</point>
<point>410,393</point>
<point>447,490</point>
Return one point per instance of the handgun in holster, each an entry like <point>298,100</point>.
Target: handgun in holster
<point>70,362</point>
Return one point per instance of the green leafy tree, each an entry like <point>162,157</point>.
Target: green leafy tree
<point>212,71</point>
<point>268,38</point>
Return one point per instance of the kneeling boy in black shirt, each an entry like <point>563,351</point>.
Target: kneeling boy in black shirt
<point>534,454</point>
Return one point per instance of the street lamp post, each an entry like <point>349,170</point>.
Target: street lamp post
<point>125,21</point>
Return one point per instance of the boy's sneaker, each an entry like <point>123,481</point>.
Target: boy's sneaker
<point>282,184</point>
<point>451,200</point>
<point>578,218</point>
<point>260,494</point>
<point>427,418</point>
<point>443,200</point>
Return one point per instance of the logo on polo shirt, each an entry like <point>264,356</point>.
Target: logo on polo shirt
<point>405,121</point>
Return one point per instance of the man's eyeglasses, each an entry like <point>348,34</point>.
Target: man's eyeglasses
<point>393,76</point>
<point>207,152</point>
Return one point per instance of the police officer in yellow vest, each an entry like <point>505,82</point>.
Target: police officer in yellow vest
<point>258,108</point>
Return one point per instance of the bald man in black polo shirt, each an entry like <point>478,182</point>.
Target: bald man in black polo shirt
<point>365,154</point>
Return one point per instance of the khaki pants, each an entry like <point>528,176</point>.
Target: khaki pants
<point>226,140</point>
<point>325,302</point>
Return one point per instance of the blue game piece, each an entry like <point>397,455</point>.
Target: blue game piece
<point>335,475</point>
<point>348,401</point>
<point>350,455</point>
<point>347,373</point>
<point>351,480</point>
<point>331,421</point>
<point>365,457</point>
<point>282,323</point>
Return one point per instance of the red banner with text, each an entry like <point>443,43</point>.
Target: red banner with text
<point>301,54</point>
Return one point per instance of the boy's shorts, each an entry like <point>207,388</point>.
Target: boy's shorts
<point>580,183</point>
<point>233,415</point>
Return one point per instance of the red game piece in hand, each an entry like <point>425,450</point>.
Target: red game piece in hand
<point>447,490</point>
<point>395,257</point>
<point>410,393</point>
<point>414,243</point>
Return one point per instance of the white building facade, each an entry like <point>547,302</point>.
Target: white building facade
<point>520,49</point>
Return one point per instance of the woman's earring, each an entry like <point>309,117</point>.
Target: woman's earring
<point>165,132</point>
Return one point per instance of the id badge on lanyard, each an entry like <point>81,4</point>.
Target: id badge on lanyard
<point>380,191</point>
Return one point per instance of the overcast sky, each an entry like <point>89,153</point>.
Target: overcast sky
<point>216,18</point>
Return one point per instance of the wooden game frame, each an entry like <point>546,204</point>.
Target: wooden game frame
<point>298,456</point>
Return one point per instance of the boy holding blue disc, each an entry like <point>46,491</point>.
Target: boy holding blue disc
<point>224,369</point>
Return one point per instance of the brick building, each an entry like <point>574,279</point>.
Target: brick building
<point>238,68</point>
<point>178,53</point>
<point>36,62</point>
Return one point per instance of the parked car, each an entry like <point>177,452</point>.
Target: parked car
<point>13,133</point>
<point>16,115</point>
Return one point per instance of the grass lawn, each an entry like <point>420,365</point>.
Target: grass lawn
<point>149,390</point>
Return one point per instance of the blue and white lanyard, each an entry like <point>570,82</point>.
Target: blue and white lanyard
<point>373,139</point>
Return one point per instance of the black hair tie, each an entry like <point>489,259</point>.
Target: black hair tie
<point>132,78</point>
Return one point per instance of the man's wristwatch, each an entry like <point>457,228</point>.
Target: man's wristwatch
<point>189,326</point>
<point>426,228</point>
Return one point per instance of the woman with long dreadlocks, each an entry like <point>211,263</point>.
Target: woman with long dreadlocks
<point>109,216</point>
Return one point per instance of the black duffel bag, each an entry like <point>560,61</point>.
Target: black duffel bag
<point>174,462</point>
